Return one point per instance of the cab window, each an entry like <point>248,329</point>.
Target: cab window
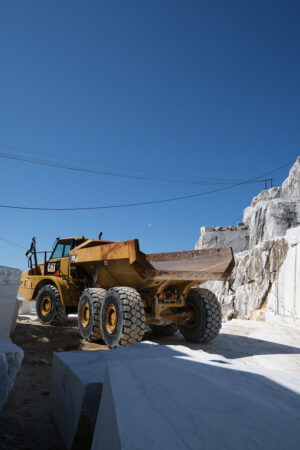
<point>62,248</point>
<point>67,249</point>
<point>58,252</point>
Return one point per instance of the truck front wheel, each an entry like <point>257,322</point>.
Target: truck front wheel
<point>122,317</point>
<point>49,308</point>
<point>206,320</point>
<point>89,313</point>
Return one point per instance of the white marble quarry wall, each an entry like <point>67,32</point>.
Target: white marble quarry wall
<point>274,211</point>
<point>291,186</point>
<point>9,285</point>
<point>264,284</point>
<point>216,237</point>
<point>284,296</point>
<point>269,219</point>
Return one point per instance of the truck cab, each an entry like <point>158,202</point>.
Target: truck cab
<point>53,270</point>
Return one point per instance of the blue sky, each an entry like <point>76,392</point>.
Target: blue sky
<point>179,89</point>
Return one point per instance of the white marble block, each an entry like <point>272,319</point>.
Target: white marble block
<point>77,379</point>
<point>25,307</point>
<point>9,285</point>
<point>11,357</point>
<point>186,404</point>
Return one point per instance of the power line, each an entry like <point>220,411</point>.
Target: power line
<point>64,166</point>
<point>12,243</point>
<point>166,178</point>
<point>146,175</point>
<point>127,205</point>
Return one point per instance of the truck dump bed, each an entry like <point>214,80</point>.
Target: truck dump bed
<point>198,265</point>
<point>122,263</point>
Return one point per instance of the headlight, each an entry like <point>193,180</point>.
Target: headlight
<point>73,258</point>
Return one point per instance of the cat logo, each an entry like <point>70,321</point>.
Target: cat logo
<point>51,267</point>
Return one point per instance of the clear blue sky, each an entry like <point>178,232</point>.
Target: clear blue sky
<point>185,89</point>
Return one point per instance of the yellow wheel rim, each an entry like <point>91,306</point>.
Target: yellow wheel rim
<point>111,318</point>
<point>85,314</point>
<point>45,306</point>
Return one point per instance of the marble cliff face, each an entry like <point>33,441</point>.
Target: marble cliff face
<point>265,283</point>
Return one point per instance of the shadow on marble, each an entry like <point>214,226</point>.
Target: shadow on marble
<point>178,404</point>
<point>77,379</point>
<point>231,346</point>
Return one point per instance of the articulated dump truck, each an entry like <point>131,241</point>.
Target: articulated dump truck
<point>117,290</point>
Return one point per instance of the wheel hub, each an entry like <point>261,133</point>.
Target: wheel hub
<point>45,307</point>
<point>85,315</point>
<point>193,313</point>
<point>111,318</point>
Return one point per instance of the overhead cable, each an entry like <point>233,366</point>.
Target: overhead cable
<point>148,177</point>
<point>127,205</point>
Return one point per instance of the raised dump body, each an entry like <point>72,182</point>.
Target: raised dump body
<point>197,265</point>
<point>117,289</point>
<point>119,263</point>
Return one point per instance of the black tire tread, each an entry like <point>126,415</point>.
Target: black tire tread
<point>97,295</point>
<point>213,316</point>
<point>60,315</point>
<point>133,328</point>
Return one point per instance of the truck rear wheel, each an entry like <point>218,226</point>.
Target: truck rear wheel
<point>122,317</point>
<point>89,313</point>
<point>207,318</point>
<point>49,308</point>
<point>164,330</point>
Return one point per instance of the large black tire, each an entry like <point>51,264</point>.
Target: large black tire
<point>49,308</point>
<point>164,330</point>
<point>208,318</point>
<point>122,317</point>
<point>89,313</point>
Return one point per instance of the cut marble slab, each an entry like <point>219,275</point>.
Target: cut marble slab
<point>11,357</point>
<point>9,305</point>
<point>25,307</point>
<point>77,379</point>
<point>194,403</point>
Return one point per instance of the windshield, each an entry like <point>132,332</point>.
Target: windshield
<point>63,247</point>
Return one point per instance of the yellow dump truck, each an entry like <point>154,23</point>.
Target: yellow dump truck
<point>116,289</point>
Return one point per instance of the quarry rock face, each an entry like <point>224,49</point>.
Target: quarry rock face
<point>268,219</point>
<point>264,284</point>
<point>291,186</point>
<point>235,237</point>
<point>276,210</point>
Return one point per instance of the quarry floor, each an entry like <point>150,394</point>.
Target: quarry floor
<point>26,421</point>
